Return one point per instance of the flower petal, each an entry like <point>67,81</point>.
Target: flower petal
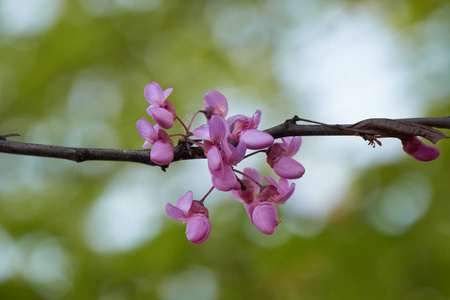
<point>198,229</point>
<point>238,153</point>
<point>226,182</point>
<point>284,184</point>
<point>161,153</point>
<point>244,194</point>
<point>256,139</point>
<point>154,94</point>
<point>147,132</point>
<point>234,118</point>
<point>288,168</point>
<point>216,102</point>
<point>253,174</point>
<point>185,202</point>
<point>215,162</point>
<point>285,195</point>
<point>292,145</point>
<point>217,129</point>
<point>202,132</point>
<point>167,92</point>
<point>164,137</point>
<point>265,217</point>
<point>161,116</point>
<point>198,208</point>
<point>418,150</point>
<point>268,193</point>
<point>256,118</point>
<point>249,207</point>
<point>175,213</point>
<point>169,107</point>
<point>275,152</point>
<point>271,181</point>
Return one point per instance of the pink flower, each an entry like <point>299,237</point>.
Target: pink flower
<point>213,135</point>
<point>233,155</point>
<point>284,190</point>
<point>215,104</point>
<point>260,209</point>
<point>280,158</point>
<point>248,189</point>
<point>187,210</point>
<point>225,179</point>
<point>419,150</point>
<point>265,218</point>
<point>244,129</point>
<point>220,160</point>
<point>162,150</point>
<point>161,110</point>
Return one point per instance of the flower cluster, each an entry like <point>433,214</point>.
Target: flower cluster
<point>225,142</point>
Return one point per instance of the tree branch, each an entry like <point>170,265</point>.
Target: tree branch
<point>369,129</point>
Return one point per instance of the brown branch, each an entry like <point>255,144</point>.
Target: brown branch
<point>369,129</point>
<point>101,154</point>
<point>290,127</point>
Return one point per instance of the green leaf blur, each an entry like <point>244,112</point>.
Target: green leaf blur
<point>79,82</point>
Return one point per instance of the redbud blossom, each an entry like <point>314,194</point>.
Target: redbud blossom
<point>161,110</point>
<point>419,150</point>
<point>244,129</point>
<point>215,104</point>
<point>224,179</point>
<point>162,150</point>
<point>213,134</point>
<point>195,214</point>
<point>261,209</point>
<point>265,217</point>
<point>224,144</point>
<point>280,158</point>
<point>248,189</point>
<point>220,161</point>
<point>284,190</point>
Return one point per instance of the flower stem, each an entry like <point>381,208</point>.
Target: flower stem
<point>250,178</point>
<point>192,120</point>
<point>188,133</point>
<point>207,194</point>
<point>253,153</point>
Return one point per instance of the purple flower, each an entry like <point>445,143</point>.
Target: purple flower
<point>161,110</point>
<point>244,129</point>
<point>215,104</point>
<point>220,160</point>
<point>260,209</point>
<point>265,218</point>
<point>226,181</point>
<point>279,157</point>
<point>284,190</point>
<point>224,178</point>
<point>162,150</point>
<point>187,210</point>
<point>419,150</point>
<point>248,189</point>
<point>212,136</point>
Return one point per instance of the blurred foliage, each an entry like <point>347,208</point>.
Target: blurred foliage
<point>79,82</point>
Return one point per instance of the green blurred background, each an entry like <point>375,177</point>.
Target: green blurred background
<point>364,223</point>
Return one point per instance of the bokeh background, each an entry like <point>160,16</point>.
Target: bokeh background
<point>363,224</point>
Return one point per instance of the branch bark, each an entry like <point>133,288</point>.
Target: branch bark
<point>369,129</point>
